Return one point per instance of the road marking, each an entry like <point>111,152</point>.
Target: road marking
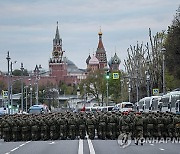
<point>17,147</point>
<point>14,149</point>
<point>52,143</point>
<point>91,148</point>
<point>152,144</point>
<point>80,149</point>
<point>161,149</point>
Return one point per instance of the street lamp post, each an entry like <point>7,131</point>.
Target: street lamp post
<point>121,90</point>
<point>163,67</point>
<point>137,86</point>
<point>11,87</point>
<point>22,87</point>
<point>26,87</point>
<point>8,60</point>
<point>129,89</point>
<point>107,86</point>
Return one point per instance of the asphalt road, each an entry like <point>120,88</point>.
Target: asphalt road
<point>86,147</point>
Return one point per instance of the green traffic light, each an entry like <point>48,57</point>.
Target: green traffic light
<point>107,76</point>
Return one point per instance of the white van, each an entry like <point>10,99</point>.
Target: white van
<point>125,106</point>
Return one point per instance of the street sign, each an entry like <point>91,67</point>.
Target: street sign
<point>115,76</point>
<point>155,91</point>
<point>5,94</point>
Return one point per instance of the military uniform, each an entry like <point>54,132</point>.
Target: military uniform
<point>138,126</point>
<point>90,123</point>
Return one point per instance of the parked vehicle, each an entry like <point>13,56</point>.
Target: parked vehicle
<point>124,106</point>
<point>38,109</point>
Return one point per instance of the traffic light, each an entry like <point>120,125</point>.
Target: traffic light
<point>107,75</point>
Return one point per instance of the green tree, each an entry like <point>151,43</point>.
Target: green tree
<point>172,55</point>
<point>2,85</point>
<point>17,72</point>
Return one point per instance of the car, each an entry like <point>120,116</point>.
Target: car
<point>38,109</point>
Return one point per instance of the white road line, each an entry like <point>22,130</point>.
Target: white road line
<point>80,149</point>
<point>17,147</point>
<point>161,149</point>
<point>152,144</point>
<point>14,149</point>
<point>52,143</point>
<point>91,148</point>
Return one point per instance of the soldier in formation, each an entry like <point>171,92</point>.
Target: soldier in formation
<point>101,125</point>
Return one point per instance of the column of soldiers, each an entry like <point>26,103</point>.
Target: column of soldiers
<point>100,125</point>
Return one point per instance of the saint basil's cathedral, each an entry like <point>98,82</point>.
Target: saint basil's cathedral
<point>66,71</point>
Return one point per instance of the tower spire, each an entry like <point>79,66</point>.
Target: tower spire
<point>57,32</point>
<point>100,44</point>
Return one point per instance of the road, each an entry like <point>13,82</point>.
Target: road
<point>86,146</point>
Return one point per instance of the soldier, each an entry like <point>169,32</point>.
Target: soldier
<point>72,127</point>
<point>111,126</point>
<point>25,129</point>
<point>15,129</point>
<point>151,122</point>
<point>82,126</point>
<point>102,126</point>
<point>90,124</point>
<point>35,135</point>
<point>53,125</point>
<point>6,129</point>
<point>62,122</point>
<point>177,126</point>
<point>44,129</point>
<point>138,126</point>
<point>125,126</point>
<point>1,128</point>
<point>160,125</point>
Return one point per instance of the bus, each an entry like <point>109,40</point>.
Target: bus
<point>147,104</point>
<point>169,101</point>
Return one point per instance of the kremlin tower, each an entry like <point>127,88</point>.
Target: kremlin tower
<point>57,66</point>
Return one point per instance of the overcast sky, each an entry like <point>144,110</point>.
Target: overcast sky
<point>27,28</point>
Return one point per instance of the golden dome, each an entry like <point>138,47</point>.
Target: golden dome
<point>100,33</point>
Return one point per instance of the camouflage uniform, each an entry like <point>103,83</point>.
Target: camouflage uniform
<point>82,126</point>
<point>125,126</point>
<point>44,129</point>
<point>111,126</point>
<point>90,123</point>
<point>177,125</point>
<point>138,125</point>
<point>26,136</point>
<point>35,135</point>
<point>6,130</point>
<point>160,125</point>
<point>53,125</point>
<point>62,122</point>
<point>151,122</point>
<point>72,127</point>
<point>102,126</point>
<point>1,128</point>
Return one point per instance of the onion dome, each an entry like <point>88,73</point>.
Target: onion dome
<point>114,60</point>
<point>87,60</point>
<point>93,60</point>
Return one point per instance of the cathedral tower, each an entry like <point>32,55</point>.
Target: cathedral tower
<point>101,53</point>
